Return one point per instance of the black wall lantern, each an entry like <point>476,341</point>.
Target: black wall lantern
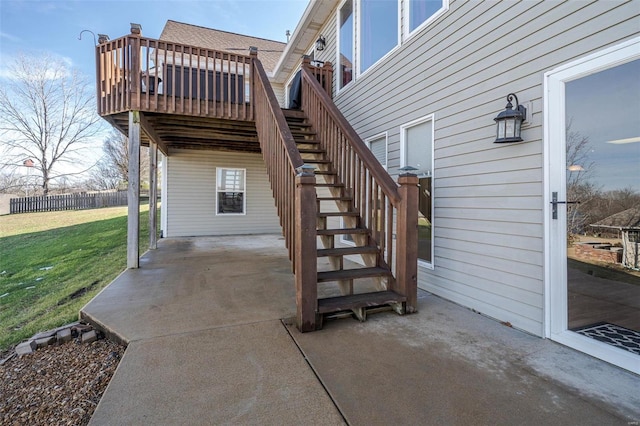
<point>509,121</point>
<point>320,43</point>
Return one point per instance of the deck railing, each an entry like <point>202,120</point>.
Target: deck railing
<point>384,206</point>
<point>139,73</point>
<point>294,192</point>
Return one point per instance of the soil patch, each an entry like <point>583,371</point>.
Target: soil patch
<point>57,384</point>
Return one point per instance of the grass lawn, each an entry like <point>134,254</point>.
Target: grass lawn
<point>53,263</point>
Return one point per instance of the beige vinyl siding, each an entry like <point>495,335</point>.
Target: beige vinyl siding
<point>278,89</point>
<point>488,198</point>
<point>328,31</point>
<point>191,195</point>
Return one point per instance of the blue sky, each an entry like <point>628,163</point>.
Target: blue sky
<point>32,26</point>
<point>53,26</point>
<point>604,107</point>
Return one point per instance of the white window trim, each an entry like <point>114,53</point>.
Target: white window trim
<point>244,191</point>
<point>403,162</point>
<point>554,157</point>
<point>358,21</point>
<point>408,34</point>
<point>353,47</point>
<point>386,145</point>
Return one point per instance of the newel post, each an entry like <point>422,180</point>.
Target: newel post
<point>306,274</point>
<point>328,72</point>
<point>135,77</point>
<point>253,53</point>
<point>407,241</point>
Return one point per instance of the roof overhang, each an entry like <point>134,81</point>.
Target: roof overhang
<point>305,34</point>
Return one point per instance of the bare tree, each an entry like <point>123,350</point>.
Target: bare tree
<point>112,171</point>
<point>579,188</point>
<point>47,114</point>
<point>11,182</point>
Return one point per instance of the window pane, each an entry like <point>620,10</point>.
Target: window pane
<point>419,147</point>
<point>421,10</point>
<point>230,202</point>
<point>424,220</point>
<point>379,149</point>
<point>418,153</point>
<point>231,180</point>
<point>346,44</point>
<point>378,30</point>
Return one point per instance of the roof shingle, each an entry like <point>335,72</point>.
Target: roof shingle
<point>269,51</point>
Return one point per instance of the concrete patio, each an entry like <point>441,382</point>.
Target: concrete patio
<point>209,342</point>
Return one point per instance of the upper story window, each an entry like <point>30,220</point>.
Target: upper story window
<point>420,12</point>
<point>378,30</point>
<point>345,39</point>
<point>367,30</point>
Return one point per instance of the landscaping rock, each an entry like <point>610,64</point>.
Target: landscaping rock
<point>89,337</point>
<point>26,347</point>
<point>45,341</point>
<point>63,336</point>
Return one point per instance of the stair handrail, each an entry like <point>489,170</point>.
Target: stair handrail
<point>386,182</point>
<point>388,211</point>
<point>294,192</point>
<point>295,160</point>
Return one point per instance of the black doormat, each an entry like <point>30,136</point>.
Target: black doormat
<point>613,335</point>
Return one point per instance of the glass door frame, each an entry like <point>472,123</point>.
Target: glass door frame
<point>556,308</point>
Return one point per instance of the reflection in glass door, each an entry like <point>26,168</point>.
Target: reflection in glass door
<point>602,125</point>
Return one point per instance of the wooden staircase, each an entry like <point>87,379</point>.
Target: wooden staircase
<point>344,286</point>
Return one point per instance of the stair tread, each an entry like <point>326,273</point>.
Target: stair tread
<point>311,151</point>
<point>342,231</point>
<point>349,274</point>
<point>334,198</point>
<point>309,141</point>
<point>346,251</point>
<point>325,172</point>
<point>355,301</point>
<point>330,185</point>
<point>293,113</point>
<point>337,214</point>
<point>317,160</point>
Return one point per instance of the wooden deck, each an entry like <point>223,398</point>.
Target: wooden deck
<point>167,95</point>
<point>187,96</point>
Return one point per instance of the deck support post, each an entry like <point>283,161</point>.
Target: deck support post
<point>153,196</point>
<point>306,269</point>
<point>133,192</point>
<point>407,241</point>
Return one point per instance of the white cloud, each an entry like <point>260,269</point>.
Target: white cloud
<point>10,37</point>
<point>623,141</point>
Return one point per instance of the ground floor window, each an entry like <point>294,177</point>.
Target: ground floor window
<point>230,189</point>
<point>417,151</point>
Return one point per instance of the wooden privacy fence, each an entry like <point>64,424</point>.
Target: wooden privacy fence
<point>50,203</point>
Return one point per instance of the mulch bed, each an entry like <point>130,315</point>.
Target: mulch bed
<point>57,384</point>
